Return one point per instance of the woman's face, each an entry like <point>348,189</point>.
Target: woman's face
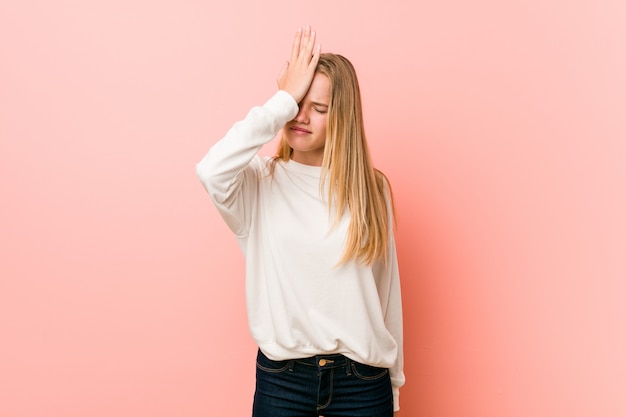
<point>306,133</point>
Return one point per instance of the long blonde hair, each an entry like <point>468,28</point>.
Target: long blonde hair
<point>353,181</point>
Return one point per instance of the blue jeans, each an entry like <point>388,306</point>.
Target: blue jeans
<point>327,385</point>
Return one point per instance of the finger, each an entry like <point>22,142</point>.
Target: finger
<point>311,43</point>
<point>315,58</point>
<point>316,54</point>
<point>305,42</point>
<point>295,48</point>
<point>306,45</point>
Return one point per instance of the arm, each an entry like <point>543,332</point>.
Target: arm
<point>391,299</point>
<point>227,171</point>
<point>393,322</point>
<point>388,283</point>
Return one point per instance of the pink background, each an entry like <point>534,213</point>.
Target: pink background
<point>501,124</point>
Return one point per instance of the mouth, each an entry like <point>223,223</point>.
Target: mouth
<point>300,129</point>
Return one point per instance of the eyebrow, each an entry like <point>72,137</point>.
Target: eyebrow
<point>317,103</point>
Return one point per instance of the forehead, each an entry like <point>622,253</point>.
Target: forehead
<point>320,89</point>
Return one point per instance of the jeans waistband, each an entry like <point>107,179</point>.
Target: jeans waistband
<point>325,361</point>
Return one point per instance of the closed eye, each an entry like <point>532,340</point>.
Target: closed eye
<point>321,108</point>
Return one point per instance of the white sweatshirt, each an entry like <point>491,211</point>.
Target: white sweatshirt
<point>299,302</point>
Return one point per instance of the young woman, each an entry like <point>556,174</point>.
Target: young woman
<point>315,225</point>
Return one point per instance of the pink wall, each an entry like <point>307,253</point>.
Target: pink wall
<point>502,126</point>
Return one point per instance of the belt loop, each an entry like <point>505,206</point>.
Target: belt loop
<point>291,363</point>
<point>348,366</point>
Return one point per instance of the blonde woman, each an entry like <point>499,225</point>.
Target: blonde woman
<point>315,225</point>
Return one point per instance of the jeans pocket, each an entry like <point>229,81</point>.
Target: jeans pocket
<point>367,372</point>
<point>266,364</point>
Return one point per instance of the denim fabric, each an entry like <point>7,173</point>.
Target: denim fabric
<point>325,385</point>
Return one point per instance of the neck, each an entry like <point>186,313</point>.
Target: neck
<point>308,158</point>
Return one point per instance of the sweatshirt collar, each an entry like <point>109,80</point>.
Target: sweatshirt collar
<point>303,169</point>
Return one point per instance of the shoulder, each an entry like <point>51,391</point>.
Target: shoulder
<point>259,167</point>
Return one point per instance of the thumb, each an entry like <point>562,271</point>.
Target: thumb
<point>281,74</point>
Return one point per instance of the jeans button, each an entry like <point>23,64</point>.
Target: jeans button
<point>322,362</point>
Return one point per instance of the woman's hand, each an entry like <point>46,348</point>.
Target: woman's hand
<point>297,75</point>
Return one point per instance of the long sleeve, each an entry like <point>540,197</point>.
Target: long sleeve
<point>227,171</point>
<point>388,283</point>
<point>393,322</point>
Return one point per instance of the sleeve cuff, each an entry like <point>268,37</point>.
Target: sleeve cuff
<point>396,399</point>
<point>283,104</point>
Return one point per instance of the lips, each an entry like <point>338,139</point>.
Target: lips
<point>300,129</point>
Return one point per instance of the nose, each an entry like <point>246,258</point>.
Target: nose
<point>302,116</point>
